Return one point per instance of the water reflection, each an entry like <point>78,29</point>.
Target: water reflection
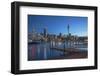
<point>42,50</point>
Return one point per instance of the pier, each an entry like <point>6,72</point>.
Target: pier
<point>72,53</point>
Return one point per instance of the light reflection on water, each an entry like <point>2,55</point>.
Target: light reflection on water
<point>42,51</point>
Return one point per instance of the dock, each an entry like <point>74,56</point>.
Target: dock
<point>72,53</point>
<point>67,49</point>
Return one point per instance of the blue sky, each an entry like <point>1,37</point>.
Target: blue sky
<point>58,24</point>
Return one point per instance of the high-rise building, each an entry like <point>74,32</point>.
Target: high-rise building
<point>68,29</point>
<point>45,32</point>
<point>60,34</point>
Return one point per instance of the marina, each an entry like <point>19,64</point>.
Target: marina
<point>47,41</point>
<point>44,51</point>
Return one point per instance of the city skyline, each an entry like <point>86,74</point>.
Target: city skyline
<point>58,24</point>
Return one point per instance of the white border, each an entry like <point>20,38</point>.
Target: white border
<point>26,65</point>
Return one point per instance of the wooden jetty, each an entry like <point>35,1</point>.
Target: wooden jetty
<point>67,49</point>
<point>72,53</point>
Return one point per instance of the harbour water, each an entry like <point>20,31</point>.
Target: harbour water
<point>43,51</point>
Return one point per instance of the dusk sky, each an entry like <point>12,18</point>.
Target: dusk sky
<point>58,24</point>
